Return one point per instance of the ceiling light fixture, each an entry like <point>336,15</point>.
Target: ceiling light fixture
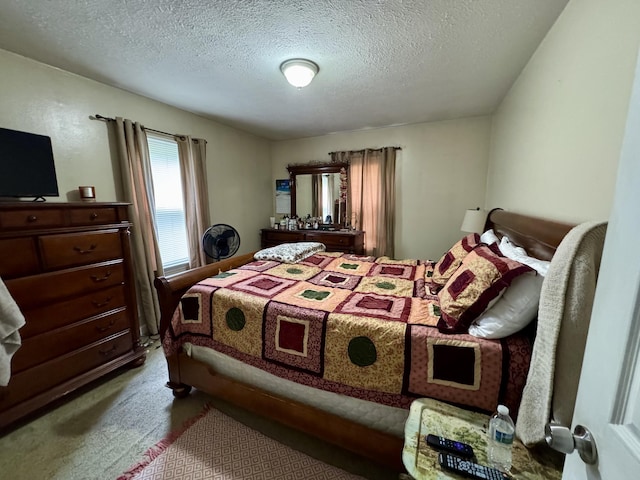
<point>299,72</point>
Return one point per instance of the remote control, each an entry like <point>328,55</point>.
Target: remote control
<point>451,446</point>
<point>469,469</point>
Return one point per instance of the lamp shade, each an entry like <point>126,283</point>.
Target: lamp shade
<point>474,221</point>
<point>299,72</point>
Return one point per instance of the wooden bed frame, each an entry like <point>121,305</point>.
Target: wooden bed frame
<point>539,237</point>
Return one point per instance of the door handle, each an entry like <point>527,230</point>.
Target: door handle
<point>561,439</point>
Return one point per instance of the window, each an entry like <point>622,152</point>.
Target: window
<point>327,196</point>
<point>169,204</point>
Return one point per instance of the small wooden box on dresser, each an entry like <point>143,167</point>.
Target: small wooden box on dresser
<point>69,268</point>
<point>351,241</point>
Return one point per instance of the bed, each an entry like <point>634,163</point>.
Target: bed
<point>349,385</point>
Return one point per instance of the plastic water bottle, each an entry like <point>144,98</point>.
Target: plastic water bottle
<point>501,434</point>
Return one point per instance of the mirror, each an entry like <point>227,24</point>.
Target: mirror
<point>320,190</point>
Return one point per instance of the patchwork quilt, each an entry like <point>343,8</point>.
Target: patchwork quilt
<point>356,325</point>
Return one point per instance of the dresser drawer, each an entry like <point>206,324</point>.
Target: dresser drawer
<point>93,216</point>
<point>69,249</point>
<point>40,290</point>
<point>331,240</point>
<point>52,344</point>
<point>66,312</point>
<point>18,257</point>
<point>34,381</point>
<point>275,237</point>
<point>31,218</point>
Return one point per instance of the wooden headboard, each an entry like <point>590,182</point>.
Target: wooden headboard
<point>539,237</point>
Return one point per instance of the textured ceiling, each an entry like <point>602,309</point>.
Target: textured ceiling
<point>382,62</point>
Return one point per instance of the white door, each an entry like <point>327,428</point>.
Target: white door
<point>608,401</point>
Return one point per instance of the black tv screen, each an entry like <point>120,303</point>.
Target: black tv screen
<point>26,165</point>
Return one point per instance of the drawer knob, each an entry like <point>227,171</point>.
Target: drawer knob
<point>32,218</point>
<point>104,329</point>
<point>95,278</point>
<point>108,352</point>
<point>93,215</point>
<point>101,304</point>
<point>82,251</point>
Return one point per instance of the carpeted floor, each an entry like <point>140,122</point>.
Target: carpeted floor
<point>102,430</point>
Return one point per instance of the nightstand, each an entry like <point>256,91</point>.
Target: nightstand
<point>431,416</point>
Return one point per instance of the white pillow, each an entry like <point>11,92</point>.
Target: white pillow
<point>489,237</point>
<point>517,306</point>
<point>519,254</point>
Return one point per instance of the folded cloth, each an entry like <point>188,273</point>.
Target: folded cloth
<point>11,319</point>
<point>290,252</point>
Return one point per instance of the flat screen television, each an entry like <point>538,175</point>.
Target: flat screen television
<point>26,165</point>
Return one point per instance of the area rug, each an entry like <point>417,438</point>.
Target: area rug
<point>215,446</point>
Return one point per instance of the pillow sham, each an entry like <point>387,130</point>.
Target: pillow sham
<point>489,237</point>
<point>515,309</point>
<point>481,277</point>
<point>519,254</point>
<point>451,260</point>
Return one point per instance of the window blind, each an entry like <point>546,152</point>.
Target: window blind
<point>169,204</point>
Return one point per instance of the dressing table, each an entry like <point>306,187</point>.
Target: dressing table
<point>351,241</point>
<point>320,190</point>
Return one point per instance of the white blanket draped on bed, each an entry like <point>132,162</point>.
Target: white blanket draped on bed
<point>11,319</point>
<point>566,300</point>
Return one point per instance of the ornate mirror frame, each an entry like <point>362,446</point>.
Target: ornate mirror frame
<point>313,169</point>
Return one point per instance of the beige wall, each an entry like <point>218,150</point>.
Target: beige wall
<point>40,99</point>
<point>557,135</point>
<point>550,150</point>
<point>440,172</point>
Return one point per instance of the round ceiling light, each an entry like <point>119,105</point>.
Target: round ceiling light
<point>299,72</point>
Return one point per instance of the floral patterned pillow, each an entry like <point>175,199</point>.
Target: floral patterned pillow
<point>451,260</point>
<point>290,252</point>
<point>481,278</point>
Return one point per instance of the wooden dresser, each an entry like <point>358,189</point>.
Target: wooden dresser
<point>335,241</point>
<point>69,268</point>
